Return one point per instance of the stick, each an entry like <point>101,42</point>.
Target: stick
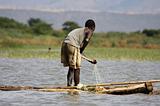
<point>122,83</point>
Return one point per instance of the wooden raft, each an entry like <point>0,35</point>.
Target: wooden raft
<point>118,88</point>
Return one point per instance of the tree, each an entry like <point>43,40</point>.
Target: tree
<point>40,27</point>
<point>151,32</point>
<point>69,26</point>
<point>11,23</point>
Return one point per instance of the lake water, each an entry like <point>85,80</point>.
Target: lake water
<point>43,72</point>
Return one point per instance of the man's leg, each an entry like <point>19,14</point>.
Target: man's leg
<point>76,76</point>
<point>70,76</point>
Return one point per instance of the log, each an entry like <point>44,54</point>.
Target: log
<point>121,89</point>
<point>70,91</point>
<point>15,88</point>
<point>145,88</point>
<point>122,83</point>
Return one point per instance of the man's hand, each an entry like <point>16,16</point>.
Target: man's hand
<point>93,62</point>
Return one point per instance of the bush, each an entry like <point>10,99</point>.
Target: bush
<point>40,27</point>
<point>10,23</point>
<point>69,26</point>
<point>58,33</point>
<point>151,32</point>
<point>10,27</point>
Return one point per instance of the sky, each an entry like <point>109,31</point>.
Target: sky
<point>115,6</point>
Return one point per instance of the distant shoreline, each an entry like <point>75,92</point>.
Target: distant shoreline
<point>105,21</point>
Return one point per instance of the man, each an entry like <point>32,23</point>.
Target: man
<point>72,48</point>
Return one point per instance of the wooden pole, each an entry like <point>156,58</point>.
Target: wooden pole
<point>123,83</point>
<point>58,90</point>
<point>15,88</point>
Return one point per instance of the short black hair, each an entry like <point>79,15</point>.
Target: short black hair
<point>90,23</point>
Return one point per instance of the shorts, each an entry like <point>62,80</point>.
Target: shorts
<point>70,56</point>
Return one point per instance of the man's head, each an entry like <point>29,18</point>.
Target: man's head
<point>90,24</point>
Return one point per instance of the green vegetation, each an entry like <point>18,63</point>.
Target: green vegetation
<point>33,39</point>
<point>151,32</point>
<point>69,26</point>
<point>97,53</point>
<point>29,52</point>
<point>124,54</point>
<point>126,40</point>
<point>39,27</point>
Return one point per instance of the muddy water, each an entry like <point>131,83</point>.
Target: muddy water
<point>43,72</point>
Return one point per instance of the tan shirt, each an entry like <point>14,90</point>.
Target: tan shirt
<point>75,37</point>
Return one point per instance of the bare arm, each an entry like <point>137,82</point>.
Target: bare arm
<point>90,60</point>
<point>85,42</point>
<point>83,46</point>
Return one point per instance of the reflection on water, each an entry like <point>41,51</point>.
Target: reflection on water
<point>43,72</point>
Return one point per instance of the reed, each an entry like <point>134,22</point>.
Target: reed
<point>102,46</point>
<point>124,54</point>
<point>97,53</point>
<point>30,53</point>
